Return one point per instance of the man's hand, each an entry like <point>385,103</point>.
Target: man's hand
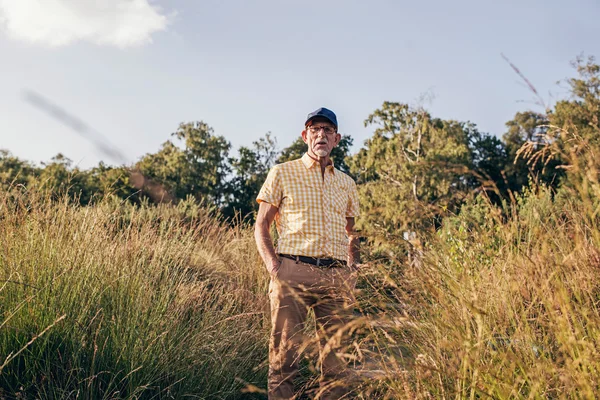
<point>353,245</point>
<point>274,267</point>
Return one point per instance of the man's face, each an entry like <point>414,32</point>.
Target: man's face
<point>321,137</point>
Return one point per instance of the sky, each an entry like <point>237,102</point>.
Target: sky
<point>133,70</point>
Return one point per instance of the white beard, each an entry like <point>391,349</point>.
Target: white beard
<point>321,152</point>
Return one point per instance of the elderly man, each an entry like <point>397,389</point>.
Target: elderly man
<point>314,206</point>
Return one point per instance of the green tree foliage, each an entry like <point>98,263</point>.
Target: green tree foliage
<point>573,139</point>
<point>113,181</point>
<point>250,171</point>
<point>580,116</point>
<point>198,169</point>
<point>412,171</point>
<point>60,178</point>
<point>489,160</point>
<point>14,171</point>
<point>582,112</point>
<point>565,142</point>
<point>338,154</point>
<point>528,128</point>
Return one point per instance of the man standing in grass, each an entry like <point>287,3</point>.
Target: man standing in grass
<point>314,206</point>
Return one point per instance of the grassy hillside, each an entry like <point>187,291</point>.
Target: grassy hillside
<point>117,301</point>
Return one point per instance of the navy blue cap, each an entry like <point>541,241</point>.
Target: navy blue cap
<point>325,113</point>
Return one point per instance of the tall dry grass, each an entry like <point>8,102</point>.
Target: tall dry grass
<point>115,301</point>
<point>497,308</point>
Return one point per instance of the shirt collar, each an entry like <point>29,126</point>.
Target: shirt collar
<point>309,162</point>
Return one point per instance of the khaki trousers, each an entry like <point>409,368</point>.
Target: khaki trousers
<point>296,288</point>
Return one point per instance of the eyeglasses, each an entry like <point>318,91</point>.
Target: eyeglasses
<point>314,129</point>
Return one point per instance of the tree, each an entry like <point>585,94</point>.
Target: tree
<point>250,171</point>
<point>527,134</point>
<point>573,139</point>
<point>60,178</point>
<point>115,181</point>
<point>489,160</point>
<point>198,169</point>
<point>565,142</point>
<point>14,171</point>
<point>413,171</point>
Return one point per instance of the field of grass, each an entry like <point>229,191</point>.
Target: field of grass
<point>504,306</point>
<point>114,301</point>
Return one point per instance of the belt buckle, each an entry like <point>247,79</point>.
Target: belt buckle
<point>323,265</point>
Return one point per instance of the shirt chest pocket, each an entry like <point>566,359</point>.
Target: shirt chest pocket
<point>298,198</point>
<point>339,199</point>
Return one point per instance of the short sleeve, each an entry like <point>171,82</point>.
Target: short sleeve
<point>271,191</point>
<point>353,207</point>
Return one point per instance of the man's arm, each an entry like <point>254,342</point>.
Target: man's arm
<point>353,243</point>
<point>262,235</point>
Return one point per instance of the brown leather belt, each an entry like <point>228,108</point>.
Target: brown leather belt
<point>317,262</point>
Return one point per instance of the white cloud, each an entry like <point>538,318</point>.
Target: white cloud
<point>54,23</point>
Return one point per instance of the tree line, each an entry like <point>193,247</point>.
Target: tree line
<point>413,171</point>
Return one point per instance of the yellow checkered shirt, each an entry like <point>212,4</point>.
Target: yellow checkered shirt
<point>312,209</point>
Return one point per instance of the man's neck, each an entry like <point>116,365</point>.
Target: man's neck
<point>323,161</point>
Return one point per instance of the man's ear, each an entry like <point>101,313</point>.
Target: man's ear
<point>338,138</point>
<point>305,136</point>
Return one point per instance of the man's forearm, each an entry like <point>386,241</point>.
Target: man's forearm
<point>264,243</point>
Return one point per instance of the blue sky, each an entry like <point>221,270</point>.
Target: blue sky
<point>135,70</point>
